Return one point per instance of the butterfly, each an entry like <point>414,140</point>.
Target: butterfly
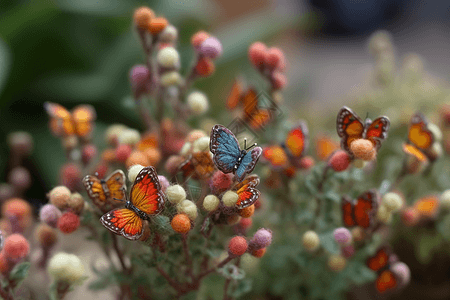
<point>104,191</point>
<point>252,114</point>
<point>325,146</point>
<point>360,212</point>
<point>380,263</point>
<point>228,156</point>
<point>247,192</point>
<point>199,165</point>
<point>351,127</point>
<point>288,154</point>
<point>420,138</point>
<point>63,123</point>
<point>146,198</point>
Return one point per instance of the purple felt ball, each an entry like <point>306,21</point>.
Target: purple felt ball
<point>211,47</point>
<point>261,239</point>
<point>402,271</point>
<point>50,214</point>
<point>342,236</point>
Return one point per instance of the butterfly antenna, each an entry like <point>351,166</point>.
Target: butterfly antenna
<point>245,143</point>
<point>254,145</point>
<point>121,200</point>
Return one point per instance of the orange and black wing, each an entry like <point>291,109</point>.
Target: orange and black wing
<point>377,131</point>
<point>95,191</point>
<point>386,280</point>
<point>349,127</point>
<point>380,260</point>
<point>246,189</point>
<point>419,135</point>
<point>123,222</point>
<point>116,185</point>
<point>276,156</point>
<point>199,165</point>
<point>83,117</point>
<point>146,194</point>
<point>259,118</point>
<point>347,212</point>
<point>250,103</point>
<point>60,123</point>
<point>235,96</point>
<point>365,209</point>
<point>325,146</point>
<point>297,142</point>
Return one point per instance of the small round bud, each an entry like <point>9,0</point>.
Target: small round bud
<point>274,58</point>
<point>18,209</point>
<point>168,58</point>
<point>157,25</point>
<point>233,220</point>
<point>359,163</point>
<point>342,236</point>
<point>220,182</point>
<point>142,17</point>
<point>230,198</point>
<point>348,251</point>
<point>339,161</point>
<point>445,199</point>
<point>89,151</point>
<point>153,155</point>
<point>164,182</point>
<point>363,149</point>
<point>137,158</point>
<point>46,235</point>
<point>205,67</point>
<point>175,194</point>
<point>261,239</point>
<point>257,54</point>
<point>197,102</point>
<point>198,38</point>
<point>76,203</point>
<point>259,253</point>
<point>170,78</point>
<point>379,42</point>
<point>279,80</point>
<point>70,142</point>
<point>50,214</point>
<point>109,155</point>
<point>427,206</point>
<point>384,215</point>
<point>337,262</point>
<point>65,267</point>
<point>436,131</point>
<point>392,201</point>
<point>172,164</point>
<point>129,136</point>
<point>245,223</point>
<point>186,149</point>
<point>133,171</point>
<point>6,191</point>
<point>68,222</point>
<point>402,272</point>
<point>201,145</point>
<point>358,234</point>
<point>123,151</point>
<point>169,34</point>
<point>181,223</point>
<point>195,134</point>
<point>20,143</point>
<point>140,80</point>
<point>307,162</point>
<point>20,178</point>
<point>210,203</point>
<point>211,47</point>
<point>59,196</point>
<point>189,208</point>
<point>237,246</point>
<point>310,240</point>
<point>248,211</point>
<point>70,176</point>
<point>436,150</point>
<point>16,247</point>
<point>112,133</point>
<point>101,169</point>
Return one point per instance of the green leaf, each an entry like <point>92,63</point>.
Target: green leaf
<point>328,243</point>
<point>19,272</point>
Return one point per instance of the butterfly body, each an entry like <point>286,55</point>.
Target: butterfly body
<point>228,156</point>
<point>146,199</point>
<point>360,212</point>
<point>351,127</point>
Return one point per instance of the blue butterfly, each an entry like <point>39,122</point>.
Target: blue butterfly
<point>228,156</point>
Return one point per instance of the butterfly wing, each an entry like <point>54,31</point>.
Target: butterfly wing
<point>203,164</point>
<point>377,131</point>
<point>380,260</point>
<point>276,156</point>
<point>349,127</point>
<point>123,222</point>
<point>60,119</point>
<point>235,94</point>
<point>187,168</point>
<point>347,212</point>
<point>116,186</point>
<point>248,163</point>
<point>418,134</point>
<point>95,190</point>
<point>365,208</point>
<point>250,102</point>
<point>225,147</point>
<point>146,194</point>
<point>297,142</point>
<point>246,189</point>
<point>259,118</point>
<point>325,146</point>
<point>83,117</point>
<point>385,281</point>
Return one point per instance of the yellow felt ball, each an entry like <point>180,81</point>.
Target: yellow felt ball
<point>311,240</point>
<point>210,203</point>
<point>175,194</point>
<point>230,198</point>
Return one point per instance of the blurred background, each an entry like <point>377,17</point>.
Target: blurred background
<point>80,51</point>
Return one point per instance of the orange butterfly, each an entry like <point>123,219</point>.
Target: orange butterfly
<point>360,212</point>
<point>247,192</point>
<point>103,191</point>
<point>325,146</point>
<point>351,127</point>
<point>253,115</point>
<point>198,166</point>
<point>146,198</point>
<point>287,155</point>
<point>63,123</point>
<point>420,138</point>
<point>380,263</point>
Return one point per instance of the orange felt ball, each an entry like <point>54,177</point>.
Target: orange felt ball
<point>153,155</point>
<point>205,67</point>
<point>198,38</point>
<point>363,149</point>
<point>237,246</point>
<point>16,247</point>
<point>181,223</point>
<point>142,17</point>
<point>247,212</point>
<point>137,158</point>
<point>259,253</point>
<point>157,25</point>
